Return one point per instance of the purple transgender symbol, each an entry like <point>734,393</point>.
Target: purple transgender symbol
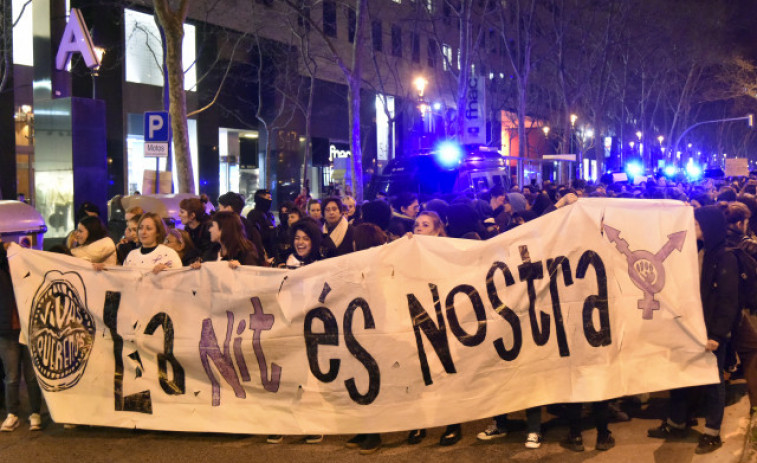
<point>646,269</point>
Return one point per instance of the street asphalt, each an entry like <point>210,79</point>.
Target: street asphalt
<point>86,444</point>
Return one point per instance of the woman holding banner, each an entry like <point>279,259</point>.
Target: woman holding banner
<point>428,223</point>
<point>152,254</point>
<point>230,243</point>
<point>306,245</point>
<point>719,290</point>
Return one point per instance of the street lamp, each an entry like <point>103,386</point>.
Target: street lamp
<point>545,129</point>
<point>420,84</point>
<point>573,119</point>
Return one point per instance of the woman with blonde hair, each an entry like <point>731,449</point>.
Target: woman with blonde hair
<point>153,253</point>
<point>429,223</point>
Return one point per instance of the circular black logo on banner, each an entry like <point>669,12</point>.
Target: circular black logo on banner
<point>61,330</point>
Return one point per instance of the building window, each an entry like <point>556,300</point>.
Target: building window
<point>329,18</point>
<point>144,51</point>
<point>351,24</point>
<point>396,41</point>
<point>23,50</point>
<point>376,34</point>
<point>431,53</point>
<point>447,52</point>
<point>416,41</point>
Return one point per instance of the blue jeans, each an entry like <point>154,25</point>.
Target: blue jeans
<point>11,353</point>
<point>714,397</point>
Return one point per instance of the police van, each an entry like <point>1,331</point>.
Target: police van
<point>444,171</point>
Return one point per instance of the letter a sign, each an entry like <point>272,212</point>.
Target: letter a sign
<point>76,39</point>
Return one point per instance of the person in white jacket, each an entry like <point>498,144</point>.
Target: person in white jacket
<point>94,244</point>
<point>153,254</point>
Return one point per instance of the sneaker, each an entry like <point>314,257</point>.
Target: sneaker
<point>491,432</point>
<point>10,423</point>
<point>314,439</point>
<point>708,443</point>
<point>451,436</point>
<point>533,441</point>
<point>275,439</point>
<point>35,422</point>
<point>356,441</point>
<point>416,436</point>
<point>574,443</point>
<point>371,444</point>
<point>666,431</point>
<point>605,441</point>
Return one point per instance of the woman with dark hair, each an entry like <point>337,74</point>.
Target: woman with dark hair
<point>152,254</point>
<point>314,210</point>
<point>367,235</point>
<point>93,243</point>
<point>196,222</point>
<point>306,246</point>
<point>232,245</point>
<point>306,243</point>
<point>339,232</point>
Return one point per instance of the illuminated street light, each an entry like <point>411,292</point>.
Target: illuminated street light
<point>545,129</point>
<point>420,84</point>
<point>573,119</point>
<point>660,139</point>
<point>638,135</point>
<point>631,144</point>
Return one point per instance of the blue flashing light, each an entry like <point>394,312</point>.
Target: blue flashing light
<point>634,169</point>
<point>670,171</point>
<point>693,171</point>
<point>448,154</point>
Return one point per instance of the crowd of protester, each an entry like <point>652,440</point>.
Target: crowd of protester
<point>310,230</point>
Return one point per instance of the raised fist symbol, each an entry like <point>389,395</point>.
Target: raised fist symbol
<point>646,271</point>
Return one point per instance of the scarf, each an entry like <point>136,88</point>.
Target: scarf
<point>337,234</point>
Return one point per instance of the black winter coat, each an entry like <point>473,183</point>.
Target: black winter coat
<point>719,284</point>
<point>8,312</point>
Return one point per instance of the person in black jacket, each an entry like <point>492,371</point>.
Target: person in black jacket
<point>719,289</point>
<point>14,355</point>
<point>196,222</point>
<point>262,218</point>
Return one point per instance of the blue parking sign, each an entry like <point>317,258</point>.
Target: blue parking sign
<point>156,126</point>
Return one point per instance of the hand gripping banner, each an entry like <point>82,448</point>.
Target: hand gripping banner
<point>596,300</point>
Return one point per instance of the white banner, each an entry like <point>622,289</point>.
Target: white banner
<point>422,332</point>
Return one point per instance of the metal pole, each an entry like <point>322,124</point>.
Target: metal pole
<point>730,119</point>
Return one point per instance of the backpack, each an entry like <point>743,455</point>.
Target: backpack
<point>747,280</point>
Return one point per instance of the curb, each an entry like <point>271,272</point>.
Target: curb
<point>750,441</point>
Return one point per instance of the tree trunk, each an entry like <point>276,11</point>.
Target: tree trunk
<point>173,25</point>
<point>356,166</point>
